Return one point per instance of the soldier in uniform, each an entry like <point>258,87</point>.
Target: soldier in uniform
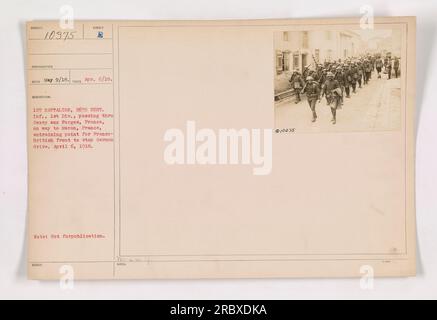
<point>367,71</point>
<point>371,66</point>
<point>359,67</point>
<point>322,77</point>
<point>378,65</point>
<point>353,77</point>
<point>305,72</point>
<point>312,91</point>
<point>396,67</point>
<point>363,68</point>
<point>339,76</point>
<point>313,74</point>
<point>347,80</point>
<point>331,89</point>
<point>296,84</point>
<point>388,68</point>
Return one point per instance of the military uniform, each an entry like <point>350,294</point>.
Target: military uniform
<point>353,76</point>
<point>396,67</point>
<point>388,68</point>
<point>331,89</point>
<point>322,77</point>
<point>378,65</point>
<point>347,81</point>
<point>297,85</point>
<point>314,74</point>
<point>339,76</point>
<point>367,71</point>
<point>312,91</point>
<point>359,74</point>
<point>372,64</point>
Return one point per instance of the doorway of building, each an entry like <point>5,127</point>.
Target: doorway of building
<point>304,61</point>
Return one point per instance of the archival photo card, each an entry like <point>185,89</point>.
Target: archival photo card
<point>221,149</point>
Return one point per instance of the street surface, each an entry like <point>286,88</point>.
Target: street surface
<point>374,107</point>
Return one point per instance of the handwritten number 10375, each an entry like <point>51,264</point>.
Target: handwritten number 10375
<point>59,35</point>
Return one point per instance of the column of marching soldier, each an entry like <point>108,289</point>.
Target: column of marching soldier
<point>338,79</point>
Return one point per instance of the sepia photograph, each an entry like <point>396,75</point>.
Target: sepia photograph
<point>338,80</point>
<point>218,156</point>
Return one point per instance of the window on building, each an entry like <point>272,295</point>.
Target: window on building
<point>329,55</point>
<point>328,35</point>
<point>295,60</point>
<point>286,61</point>
<point>317,55</point>
<point>285,36</point>
<point>279,62</point>
<point>305,39</point>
